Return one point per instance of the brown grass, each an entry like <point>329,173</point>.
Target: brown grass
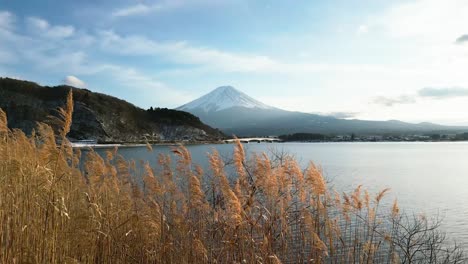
<point>51,211</point>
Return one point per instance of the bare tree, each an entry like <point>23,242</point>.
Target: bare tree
<point>417,239</point>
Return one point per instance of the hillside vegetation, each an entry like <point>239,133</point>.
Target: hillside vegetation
<point>98,116</point>
<point>53,210</point>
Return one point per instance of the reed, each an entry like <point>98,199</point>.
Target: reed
<point>54,210</point>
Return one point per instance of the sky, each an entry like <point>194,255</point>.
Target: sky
<point>365,59</point>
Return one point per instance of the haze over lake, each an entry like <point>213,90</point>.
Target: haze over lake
<point>427,178</point>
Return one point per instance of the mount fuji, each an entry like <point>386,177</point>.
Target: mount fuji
<point>222,98</point>
<point>235,112</point>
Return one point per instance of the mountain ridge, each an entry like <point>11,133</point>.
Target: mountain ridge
<point>268,121</point>
<point>99,116</point>
<point>221,98</point>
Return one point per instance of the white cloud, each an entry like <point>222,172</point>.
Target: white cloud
<point>462,39</point>
<point>391,101</point>
<point>74,81</point>
<point>362,29</point>
<point>437,93</point>
<point>146,87</point>
<point>340,115</point>
<point>145,9</point>
<point>44,28</point>
<point>210,59</point>
<point>183,53</point>
<point>429,19</point>
<point>133,10</point>
<point>38,23</point>
<point>443,92</point>
<point>61,31</point>
<point>425,33</point>
<point>7,20</point>
<point>61,52</point>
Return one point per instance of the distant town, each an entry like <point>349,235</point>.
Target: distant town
<point>311,137</point>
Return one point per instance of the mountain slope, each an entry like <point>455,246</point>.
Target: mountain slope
<point>98,116</point>
<point>233,116</point>
<point>221,98</point>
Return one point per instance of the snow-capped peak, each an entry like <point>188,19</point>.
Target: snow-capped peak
<point>221,98</point>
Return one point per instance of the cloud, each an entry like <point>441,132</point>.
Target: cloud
<point>141,9</point>
<point>74,81</point>
<point>55,51</point>
<point>428,19</point>
<point>133,10</point>
<point>212,59</point>
<point>391,101</point>
<point>38,23</point>
<point>146,87</point>
<point>427,92</point>
<point>7,20</point>
<point>462,39</point>
<point>182,53</point>
<point>342,115</point>
<point>44,28</point>
<point>362,29</point>
<point>443,93</point>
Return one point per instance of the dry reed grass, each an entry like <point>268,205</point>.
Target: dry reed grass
<point>51,211</point>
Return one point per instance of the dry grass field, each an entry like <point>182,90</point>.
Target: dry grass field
<point>54,210</point>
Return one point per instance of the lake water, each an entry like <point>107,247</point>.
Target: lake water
<point>429,178</point>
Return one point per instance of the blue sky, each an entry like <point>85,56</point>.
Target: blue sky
<point>367,59</point>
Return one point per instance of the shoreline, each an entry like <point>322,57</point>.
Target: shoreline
<point>135,145</point>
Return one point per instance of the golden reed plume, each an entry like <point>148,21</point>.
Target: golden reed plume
<point>59,207</point>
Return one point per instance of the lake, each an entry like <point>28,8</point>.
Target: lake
<point>429,178</point>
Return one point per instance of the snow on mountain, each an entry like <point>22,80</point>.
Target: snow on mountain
<point>221,98</point>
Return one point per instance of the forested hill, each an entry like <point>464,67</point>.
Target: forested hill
<point>98,116</point>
